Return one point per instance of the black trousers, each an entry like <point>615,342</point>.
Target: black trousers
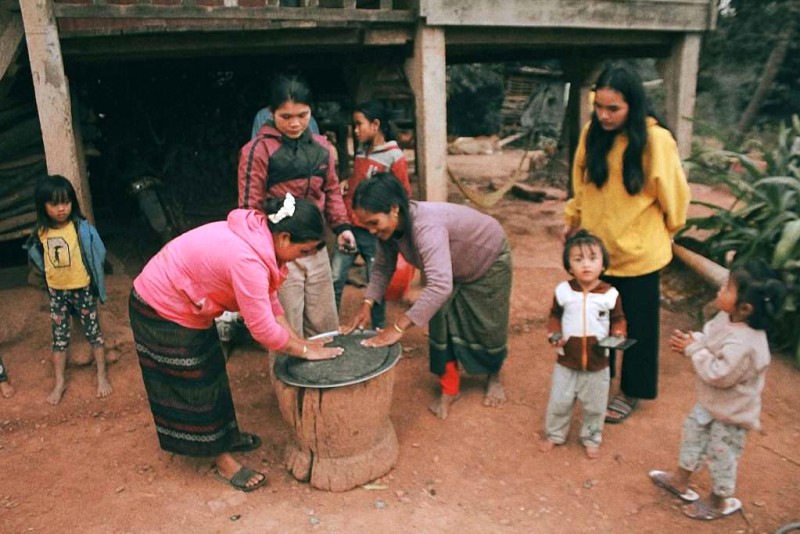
<point>641,301</point>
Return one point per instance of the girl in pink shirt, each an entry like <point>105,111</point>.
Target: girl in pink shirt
<point>237,265</point>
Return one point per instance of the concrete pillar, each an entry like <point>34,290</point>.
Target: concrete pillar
<point>679,72</point>
<point>53,98</point>
<point>426,72</point>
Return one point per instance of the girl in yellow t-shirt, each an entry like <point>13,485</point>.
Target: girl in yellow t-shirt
<point>71,254</point>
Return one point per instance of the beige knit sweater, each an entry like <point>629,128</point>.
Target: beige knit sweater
<point>730,359</point>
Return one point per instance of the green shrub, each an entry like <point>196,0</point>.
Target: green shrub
<point>765,222</point>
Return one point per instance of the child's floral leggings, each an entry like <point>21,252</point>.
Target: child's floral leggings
<point>717,445</point>
<point>84,304</point>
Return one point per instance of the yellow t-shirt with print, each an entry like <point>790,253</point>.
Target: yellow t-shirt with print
<point>63,263</point>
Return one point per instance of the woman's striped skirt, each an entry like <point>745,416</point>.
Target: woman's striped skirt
<point>472,327</point>
<point>184,374</point>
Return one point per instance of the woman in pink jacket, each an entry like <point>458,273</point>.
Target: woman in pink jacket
<point>220,266</point>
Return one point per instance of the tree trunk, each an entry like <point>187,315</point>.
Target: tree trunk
<point>774,62</point>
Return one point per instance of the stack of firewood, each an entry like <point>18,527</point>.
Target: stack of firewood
<point>22,163</point>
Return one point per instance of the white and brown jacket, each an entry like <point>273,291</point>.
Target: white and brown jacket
<point>584,318</point>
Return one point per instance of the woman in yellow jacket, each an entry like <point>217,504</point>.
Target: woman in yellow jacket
<point>630,191</point>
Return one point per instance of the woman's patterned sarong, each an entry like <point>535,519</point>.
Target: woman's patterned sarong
<point>184,374</point>
<point>472,327</point>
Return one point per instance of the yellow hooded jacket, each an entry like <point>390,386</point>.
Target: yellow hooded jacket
<point>636,229</point>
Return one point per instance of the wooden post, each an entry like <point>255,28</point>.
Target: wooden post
<point>53,98</point>
<point>581,75</point>
<point>426,71</point>
<point>679,71</point>
<point>11,33</point>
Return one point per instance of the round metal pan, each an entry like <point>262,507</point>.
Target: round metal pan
<point>356,364</point>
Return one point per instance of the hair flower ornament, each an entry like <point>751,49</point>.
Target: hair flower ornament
<point>287,210</point>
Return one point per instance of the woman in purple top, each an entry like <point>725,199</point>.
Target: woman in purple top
<point>466,264</point>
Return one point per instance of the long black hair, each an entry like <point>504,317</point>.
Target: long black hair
<point>57,189</point>
<point>380,193</point>
<point>375,110</point>
<point>626,81</point>
<point>304,225</point>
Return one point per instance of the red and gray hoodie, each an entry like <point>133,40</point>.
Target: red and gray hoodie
<point>271,165</point>
<point>387,157</point>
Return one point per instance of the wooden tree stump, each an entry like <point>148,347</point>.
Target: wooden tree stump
<point>343,436</point>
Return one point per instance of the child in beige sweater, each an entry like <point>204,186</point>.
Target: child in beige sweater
<point>730,358</point>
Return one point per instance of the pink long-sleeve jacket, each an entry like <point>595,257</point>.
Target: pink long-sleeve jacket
<point>226,265</point>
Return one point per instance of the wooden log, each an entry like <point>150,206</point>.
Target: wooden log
<point>16,234</point>
<point>19,137</point>
<point>713,273</point>
<point>343,436</point>
<point>14,223</point>
<point>15,114</point>
<point>36,157</point>
<point>12,179</point>
<point>16,203</point>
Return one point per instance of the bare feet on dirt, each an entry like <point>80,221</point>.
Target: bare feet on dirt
<point>441,406</point>
<point>6,390</point>
<point>495,394</point>
<point>546,445</point>
<point>592,452</point>
<point>58,392</point>
<point>103,386</point>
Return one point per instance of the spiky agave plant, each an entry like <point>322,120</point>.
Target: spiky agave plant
<point>764,222</point>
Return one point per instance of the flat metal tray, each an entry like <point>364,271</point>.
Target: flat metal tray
<point>356,364</point>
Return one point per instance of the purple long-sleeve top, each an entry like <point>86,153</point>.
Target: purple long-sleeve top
<point>449,243</point>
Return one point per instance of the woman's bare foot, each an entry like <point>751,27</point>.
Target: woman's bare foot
<point>7,390</point>
<point>58,392</point>
<point>495,394</point>
<point>546,445</point>
<point>441,406</point>
<point>592,452</point>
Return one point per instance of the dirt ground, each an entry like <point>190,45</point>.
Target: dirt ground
<point>94,465</point>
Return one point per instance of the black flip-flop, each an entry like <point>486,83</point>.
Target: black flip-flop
<point>661,479</point>
<point>705,512</point>
<point>242,477</point>
<point>621,409</point>
<point>247,442</point>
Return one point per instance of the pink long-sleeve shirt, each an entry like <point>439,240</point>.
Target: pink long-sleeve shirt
<point>226,265</point>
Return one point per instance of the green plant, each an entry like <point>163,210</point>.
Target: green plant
<point>765,220</point>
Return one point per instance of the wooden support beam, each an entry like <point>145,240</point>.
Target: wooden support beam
<point>11,33</point>
<point>658,15</point>
<point>581,74</point>
<point>679,72</point>
<point>53,99</point>
<point>426,71</point>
